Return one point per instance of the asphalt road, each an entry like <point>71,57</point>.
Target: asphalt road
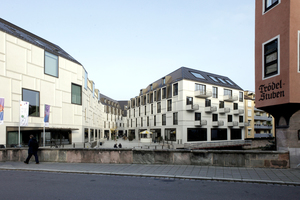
<point>23,185</point>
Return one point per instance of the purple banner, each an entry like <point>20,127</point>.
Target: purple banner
<point>47,115</point>
<point>1,110</point>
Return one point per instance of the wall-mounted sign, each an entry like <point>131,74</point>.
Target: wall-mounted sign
<point>271,91</point>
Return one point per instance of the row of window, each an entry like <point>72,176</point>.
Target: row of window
<point>198,87</point>
<point>33,97</point>
<point>164,120</point>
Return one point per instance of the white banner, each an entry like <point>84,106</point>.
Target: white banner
<point>1,110</point>
<point>24,110</point>
<point>47,115</point>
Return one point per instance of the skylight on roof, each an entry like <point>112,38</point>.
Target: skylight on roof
<point>213,78</point>
<point>197,75</point>
<point>222,80</point>
<point>228,81</point>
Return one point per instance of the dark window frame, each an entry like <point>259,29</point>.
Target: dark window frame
<point>197,116</point>
<point>175,118</point>
<point>45,64</point>
<point>80,94</point>
<point>39,113</point>
<point>274,3</point>
<point>268,53</point>
<point>169,105</point>
<point>215,92</point>
<point>175,89</point>
<point>163,119</point>
<point>215,117</point>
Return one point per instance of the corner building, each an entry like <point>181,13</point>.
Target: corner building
<point>35,70</point>
<point>189,106</point>
<point>277,69</point>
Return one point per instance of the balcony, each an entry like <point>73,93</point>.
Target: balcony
<point>230,98</point>
<point>218,123</point>
<point>238,112</point>
<point>210,109</point>
<point>192,107</point>
<point>232,123</point>
<point>202,94</point>
<point>260,126</point>
<point>224,110</point>
<point>242,124</point>
<point>200,123</point>
<point>262,118</point>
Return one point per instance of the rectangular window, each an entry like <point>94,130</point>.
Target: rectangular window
<point>33,97</point>
<point>227,92</point>
<point>145,110</point>
<point>241,119</point>
<point>154,120</point>
<point>249,113</point>
<point>271,55</point>
<point>270,4</point>
<point>151,98</point>
<point>158,107</point>
<point>241,96</point>
<point>196,134</point>
<point>154,95</point>
<point>51,64</point>
<point>164,93</point>
<point>197,116</point>
<point>170,105</point>
<point>189,100</point>
<point>221,104</point>
<point>175,118</point>
<point>235,106</point>
<point>229,118</point>
<point>207,102</point>
<point>175,89</point>
<point>148,99</point>
<point>163,81</point>
<point>218,134</point>
<point>159,95</point>
<point>76,94</point>
<point>164,119</point>
<point>249,103</point>
<point>147,121</point>
<point>215,92</point>
<point>200,87</point>
<point>151,109</point>
<point>141,122</point>
<point>215,117</point>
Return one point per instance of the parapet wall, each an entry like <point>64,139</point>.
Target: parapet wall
<point>262,159</point>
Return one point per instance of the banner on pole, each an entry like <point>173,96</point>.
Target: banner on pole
<point>1,110</point>
<point>47,115</point>
<point>24,110</point>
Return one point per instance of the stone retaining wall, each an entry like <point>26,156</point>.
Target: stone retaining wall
<point>269,159</point>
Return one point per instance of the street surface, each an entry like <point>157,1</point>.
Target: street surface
<point>50,185</point>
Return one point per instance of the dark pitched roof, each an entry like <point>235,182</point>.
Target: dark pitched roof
<point>22,34</point>
<point>203,77</point>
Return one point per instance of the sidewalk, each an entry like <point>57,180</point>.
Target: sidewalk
<point>233,174</point>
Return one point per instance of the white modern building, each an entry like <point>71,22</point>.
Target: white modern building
<point>188,106</point>
<point>35,70</point>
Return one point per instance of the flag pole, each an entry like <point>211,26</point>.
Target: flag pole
<point>44,136</point>
<point>19,124</point>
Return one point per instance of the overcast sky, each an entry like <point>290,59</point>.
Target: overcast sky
<point>126,45</point>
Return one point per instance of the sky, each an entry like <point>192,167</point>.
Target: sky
<point>125,45</point>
